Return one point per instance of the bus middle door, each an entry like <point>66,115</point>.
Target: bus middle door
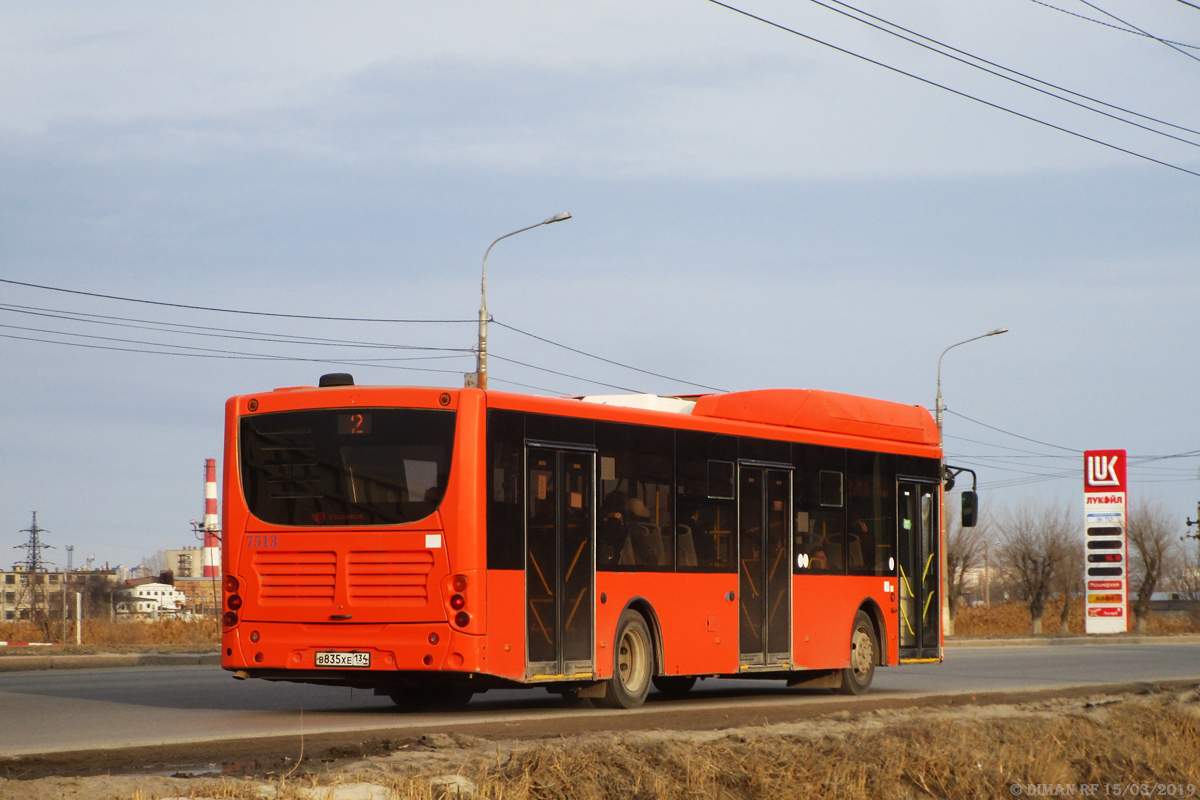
<point>559,563</point>
<point>920,607</point>
<point>764,567</point>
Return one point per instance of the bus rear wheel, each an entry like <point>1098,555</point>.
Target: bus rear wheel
<point>864,649</point>
<point>633,663</point>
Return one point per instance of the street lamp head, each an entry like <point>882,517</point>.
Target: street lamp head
<point>557,218</point>
<point>998,330</point>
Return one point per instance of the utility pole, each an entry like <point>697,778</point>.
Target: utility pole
<point>66,586</point>
<point>33,568</point>
<point>1192,522</point>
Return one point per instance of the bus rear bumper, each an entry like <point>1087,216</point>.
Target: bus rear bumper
<point>342,649</point>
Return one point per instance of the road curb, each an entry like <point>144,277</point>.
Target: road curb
<point>1074,641</point>
<point>107,661</point>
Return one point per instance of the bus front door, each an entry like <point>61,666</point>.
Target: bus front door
<point>559,563</point>
<point>764,567</point>
<point>920,605</point>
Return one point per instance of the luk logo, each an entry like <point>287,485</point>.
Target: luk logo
<point>1102,471</point>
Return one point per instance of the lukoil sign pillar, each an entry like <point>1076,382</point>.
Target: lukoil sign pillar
<point>1106,577</point>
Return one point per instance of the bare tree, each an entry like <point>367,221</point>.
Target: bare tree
<point>1035,551</point>
<point>964,554</point>
<point>1069,580</point>
<point>156,563</point>
<point>1153,553</point>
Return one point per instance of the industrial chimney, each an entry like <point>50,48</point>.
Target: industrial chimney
<point>212,542</point>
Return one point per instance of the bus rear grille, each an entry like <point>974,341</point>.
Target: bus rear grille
<point>391,577</point>
<point>305,579</point>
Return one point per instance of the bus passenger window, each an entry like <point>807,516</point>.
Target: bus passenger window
<point>704,477</point>
<point>871,504</point>
<point>505,509</point>
<point>820,545</point>
<point>636,527</point>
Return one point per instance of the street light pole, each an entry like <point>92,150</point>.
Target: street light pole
<point>939,407</point>
<point>479,378</point>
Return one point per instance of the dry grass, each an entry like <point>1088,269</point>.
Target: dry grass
<point>971,752</point>
<point>1012,619</point>
<point>919,758</point>
<point>968,753</point>
<point>102,632</point>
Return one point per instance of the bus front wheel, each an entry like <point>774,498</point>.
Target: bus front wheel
<point>633,663</point>
<point>864,649</point>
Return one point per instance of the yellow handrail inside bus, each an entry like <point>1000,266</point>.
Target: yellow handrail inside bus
<point>538,617</point>
<point>575,560</point>
<point>542,577</point>
<point>574,608</point>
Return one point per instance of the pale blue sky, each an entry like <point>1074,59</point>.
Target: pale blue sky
<point>751,210</point>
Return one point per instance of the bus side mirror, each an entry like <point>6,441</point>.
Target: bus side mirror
<point>970,509</point>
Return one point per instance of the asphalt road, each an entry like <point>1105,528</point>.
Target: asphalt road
<point>78,710</point>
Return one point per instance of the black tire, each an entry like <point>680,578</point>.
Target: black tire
<point>674,685</point>
<point>633,663</point>
<point>432,698</point>
<point>864,652</point>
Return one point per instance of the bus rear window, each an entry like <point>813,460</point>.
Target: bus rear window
<point>370,466</point>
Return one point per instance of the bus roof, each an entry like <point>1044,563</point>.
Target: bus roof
<point>813,409</point>
<point>803,409</point>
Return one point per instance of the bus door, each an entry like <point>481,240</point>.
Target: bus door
<point>920,605</point>
<point>764,566</point>
<point>559,562</point>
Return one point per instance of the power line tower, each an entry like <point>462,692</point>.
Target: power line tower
<point>34,569</point>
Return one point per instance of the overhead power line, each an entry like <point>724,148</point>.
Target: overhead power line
<point>982,60</point>
<point>234,333</point>
<point>1014,435</point>
<point>958,92</point>
<point>228,356</point>
<point>605,360</point>
<point>1117,27</point>
<point>1139,30</point>
<point>564,374</point>
<point>181,329</point>
<point>227,310</point>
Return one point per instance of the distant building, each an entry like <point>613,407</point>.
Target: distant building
<point>191,561</point>
<point>186,563</point>
<point>152,600</point>
<point>19,596</point>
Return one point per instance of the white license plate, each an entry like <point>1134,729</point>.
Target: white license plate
<point>332,659</point>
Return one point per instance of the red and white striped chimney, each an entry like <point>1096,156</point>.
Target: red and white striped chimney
<point>212,545</point>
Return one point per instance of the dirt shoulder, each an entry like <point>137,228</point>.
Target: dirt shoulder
<point>967,746</point>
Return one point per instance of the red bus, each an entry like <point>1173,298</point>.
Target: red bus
<point>431,544</point>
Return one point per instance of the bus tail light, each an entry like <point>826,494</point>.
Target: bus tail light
<point>462,619</point>
<point>230,619</point>
<point>459,583</point>
<point>234,601</point>
<point>231,584</point>
<point>457,602</point>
